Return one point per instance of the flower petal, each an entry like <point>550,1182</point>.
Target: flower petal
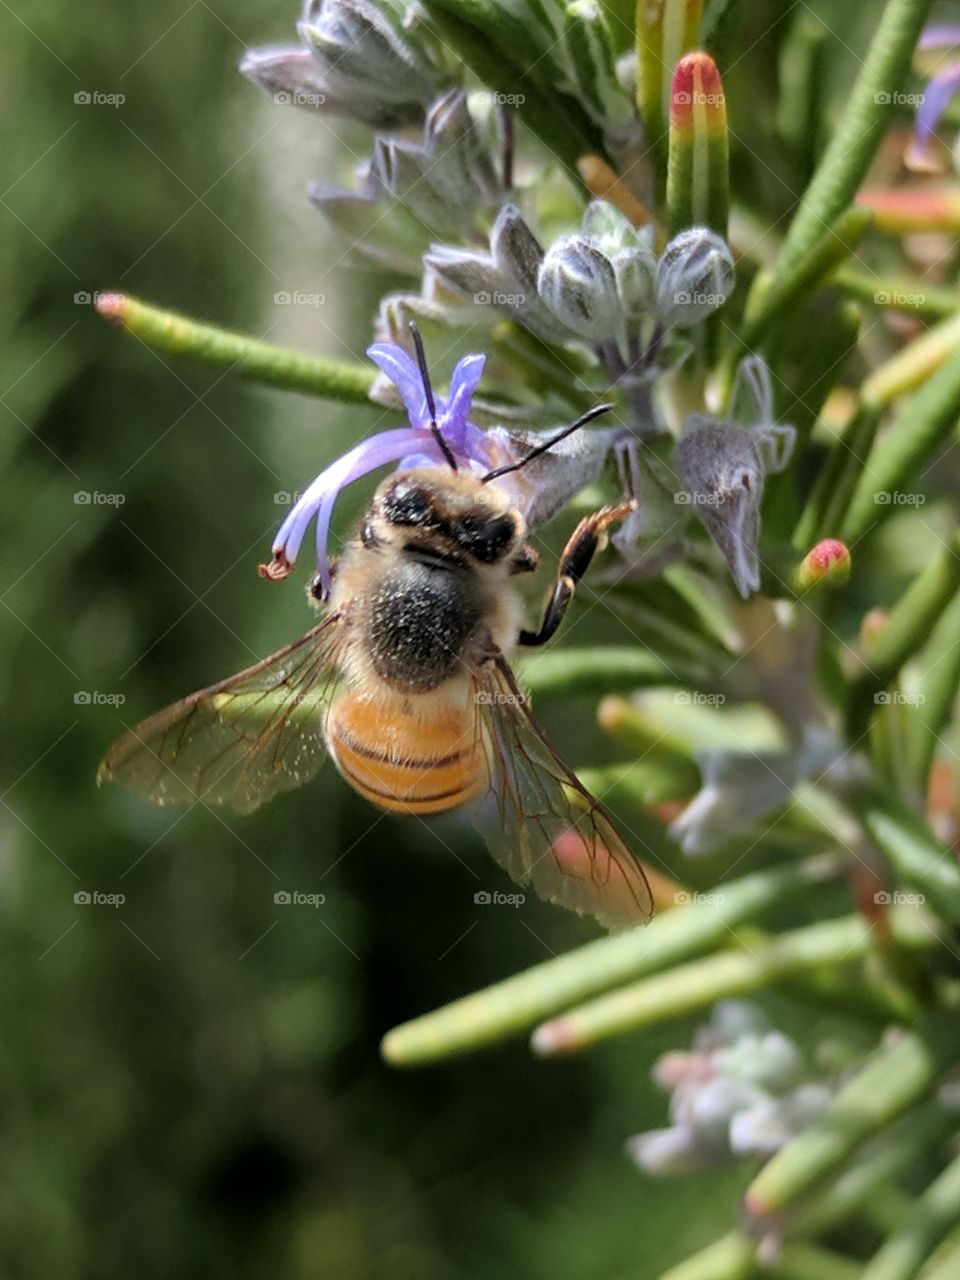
<point>320,496</point>
<point>938,93</point>
<point>463,383</point>
<point>403,372</point>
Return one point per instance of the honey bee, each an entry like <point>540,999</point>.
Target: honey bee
<point>406,683</point>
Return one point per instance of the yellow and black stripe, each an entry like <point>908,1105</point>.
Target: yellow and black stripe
<point>405,762</point>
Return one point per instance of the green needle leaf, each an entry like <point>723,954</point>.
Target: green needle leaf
<point>696,985</point>
<point>516,1004</point>
<point>237,353</point>
<point>698,178</point>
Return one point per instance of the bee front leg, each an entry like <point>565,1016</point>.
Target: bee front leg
<point>587,539</point>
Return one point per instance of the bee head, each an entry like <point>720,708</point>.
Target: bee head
<point>429,503</point>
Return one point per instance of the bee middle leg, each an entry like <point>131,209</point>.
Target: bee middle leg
<point>587,539</point>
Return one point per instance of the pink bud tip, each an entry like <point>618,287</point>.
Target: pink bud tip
<point>827,562</point>
<point>112,306</point>
<point>697,92</point>
<point>552,1038</point>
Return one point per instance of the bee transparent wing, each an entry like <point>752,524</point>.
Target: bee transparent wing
<point>241,741</point>
<point>541,824</point>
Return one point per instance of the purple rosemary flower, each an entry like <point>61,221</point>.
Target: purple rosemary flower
<point>939,48</point>
<point>412,446</point>
<point>539,490</point>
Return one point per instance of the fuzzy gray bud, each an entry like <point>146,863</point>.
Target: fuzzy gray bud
<point>358,45</point>
<point>577,283</point>
<point>695,277</point>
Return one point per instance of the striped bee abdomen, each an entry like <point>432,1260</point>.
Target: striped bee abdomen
<point>426,761</point>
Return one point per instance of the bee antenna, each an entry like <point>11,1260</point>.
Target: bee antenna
<point>428,392</point>
<point>582,421</point>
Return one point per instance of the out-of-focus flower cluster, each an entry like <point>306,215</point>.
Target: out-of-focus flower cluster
<point>743,1090</point>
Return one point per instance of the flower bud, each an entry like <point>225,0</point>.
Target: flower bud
<point>503,280</point>
<point>289,73</point>
<point>392,237</point>
<point>292,76</point>
<point>578,284</point>
<point>827,564</point>
<point>608,228</point>
<point>695,277</point>
<point>636,272</point>
<point>358,45</point>
<point>515,249</point>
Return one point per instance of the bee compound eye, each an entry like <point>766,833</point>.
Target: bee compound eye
<point>485,538</point>
<point>406,503</point>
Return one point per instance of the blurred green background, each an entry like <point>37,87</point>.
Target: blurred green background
<point>191,1080</point>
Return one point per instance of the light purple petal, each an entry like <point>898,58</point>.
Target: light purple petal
<point>463,383</point>
<point>402,371</point>
<point>937,94</point>
<point>319,498</point>
<point>940,37</point>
